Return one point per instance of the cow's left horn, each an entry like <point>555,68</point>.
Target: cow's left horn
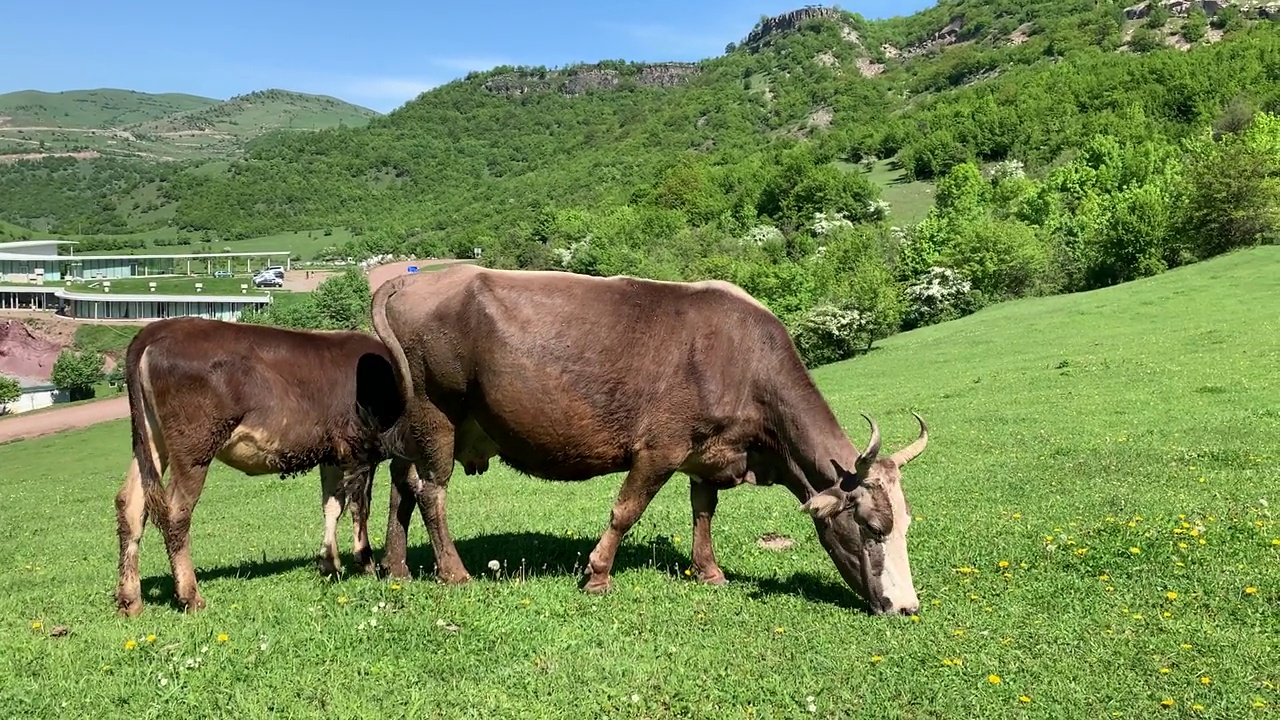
<point>910,452</point>
<point>866,459</point>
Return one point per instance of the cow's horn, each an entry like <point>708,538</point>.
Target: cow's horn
<point>866,459</point>
<point>910,452</point>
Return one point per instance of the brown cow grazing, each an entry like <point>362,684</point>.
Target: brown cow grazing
<point>568,377</point>
<point>264,401</point>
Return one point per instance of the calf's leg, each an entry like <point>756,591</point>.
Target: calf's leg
<point>131,520</point>
<point>185,484</point>
<point>361,499</point>
<point>333,501</point>
<point>704,496</point>
<point>648,474</point>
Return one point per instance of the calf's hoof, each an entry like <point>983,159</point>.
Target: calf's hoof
<point>366,565</point>
<point>192,605</point>
<point>128,606</point>
<point>328,567</point>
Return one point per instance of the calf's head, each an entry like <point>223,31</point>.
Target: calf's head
<point>862,523</point>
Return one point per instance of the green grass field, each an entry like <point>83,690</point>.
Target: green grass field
<point>1092,540</point>
<point>304,244</point>
<point>909,201</point>
<point>175,286</point>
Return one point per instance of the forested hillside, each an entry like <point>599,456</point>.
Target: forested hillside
<point>1073,144</point>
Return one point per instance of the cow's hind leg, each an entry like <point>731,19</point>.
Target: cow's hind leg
<point>649,472</point>
<point>433,436</point>
<point>333,501</point>
<point>131,520</point>
<point>704,496</point>
<point>404,478</point>
<point>185,484</point>
<point>361,497</point>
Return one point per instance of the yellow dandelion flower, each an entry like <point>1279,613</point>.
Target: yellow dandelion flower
<point>36,624</point>
<point>779,630</point>
<point>130,644</point>
<point>915,618</point>
<point>1048,538</point>
<point>958,632</point>
<point>1259,703</point>
<point>1164,671</point>
<point>1171,595</point>
<point>1197,708</point>
<point>1104,577</point>
<point>1135,550</point>
<point>1024,699</point>
<point>1178,531</point>
<point>876,658</point>
<point>342,599</point>
<point>1202,541</point>
<point>395,586</point>
<point>223,637</point>
<point>1081,551</point>
<point>1003,564</point>
<point>151,639</point>
<point>1275,541</point>
<point>993,679</point>
<point>1167,702</point>
<point>1183,546</point>
<point>688,572</point>
<point>1184,646</point>
<point>1166,614</point>
<point>1250,590</point>
<point>1206,680</point>
<point>1194,532</point>
<point>1017,516</point>
<point>675,539</point>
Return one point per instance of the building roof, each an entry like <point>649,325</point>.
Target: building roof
<point>4,246</point>
<point>33,289</point>
<point>161,297</point>
<point>190,256</point>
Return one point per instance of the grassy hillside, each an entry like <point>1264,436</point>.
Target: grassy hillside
<point>99,109</point>
<point>1090,532</point>
<point>127,124</point>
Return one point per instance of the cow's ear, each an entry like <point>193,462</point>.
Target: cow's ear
<point>825,504</point>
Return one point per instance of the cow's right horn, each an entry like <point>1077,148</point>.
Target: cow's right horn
<point>910,452</point>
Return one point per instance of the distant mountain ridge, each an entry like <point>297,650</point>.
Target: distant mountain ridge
<point>164,126</point>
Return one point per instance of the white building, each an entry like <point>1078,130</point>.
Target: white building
<point>36,394</point>
<point>38,261</point>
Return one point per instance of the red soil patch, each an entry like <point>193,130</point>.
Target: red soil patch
<point>24,353</point>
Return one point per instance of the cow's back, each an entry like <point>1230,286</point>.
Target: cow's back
<point>556,360</point>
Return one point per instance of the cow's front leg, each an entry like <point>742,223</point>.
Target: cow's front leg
<point>333,503</point>
<point>648,475</point>
<point>704,496</point>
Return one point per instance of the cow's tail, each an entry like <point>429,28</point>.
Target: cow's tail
<point>143,444</point>
<point>400,364</point>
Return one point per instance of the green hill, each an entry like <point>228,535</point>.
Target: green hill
<point>127,124</point>
<point>1091,529</point>
<point>101,109</point>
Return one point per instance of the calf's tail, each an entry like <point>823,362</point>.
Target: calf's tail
<point>152,490</point>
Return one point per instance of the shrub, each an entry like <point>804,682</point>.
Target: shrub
<point>76,372</point>
<point>942,294</point>
<point>828,333</point>
<point>10,391</point>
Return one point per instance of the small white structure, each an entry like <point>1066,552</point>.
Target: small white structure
<point>36,394</point>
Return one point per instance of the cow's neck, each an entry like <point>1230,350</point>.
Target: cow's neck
<point>809,437</point>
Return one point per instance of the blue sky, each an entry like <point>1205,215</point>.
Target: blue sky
<point>376,53</point>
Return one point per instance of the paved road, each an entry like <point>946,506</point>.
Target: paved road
<point>29,425</point>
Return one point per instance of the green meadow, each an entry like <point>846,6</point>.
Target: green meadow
<point>1094,537</point>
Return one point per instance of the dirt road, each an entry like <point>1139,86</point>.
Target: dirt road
<point>45,422</point>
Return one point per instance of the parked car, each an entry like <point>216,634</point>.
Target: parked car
<point>267,280</point>
<point>276,270</point>
<point>222,274</point>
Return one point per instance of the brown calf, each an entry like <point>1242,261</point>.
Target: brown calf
<point>569,377</point>
<point>264,401</point>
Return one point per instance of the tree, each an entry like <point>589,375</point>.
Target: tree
<point>10,391</point>
<point>75,373</point>
<point>1196,26</point>
<point>1233,190</point>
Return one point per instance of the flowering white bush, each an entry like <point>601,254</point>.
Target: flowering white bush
<point>824,223</point>
<point>878,209</point>
<point>564,256</point>
<point>1008,170</point>
<point>942,294</point>
<point>828,333</point>
<point>761,234</point>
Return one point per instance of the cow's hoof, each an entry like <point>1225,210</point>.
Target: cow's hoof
<point>129,607</point>
<point>397,570</point>
<point>597,585</point>
<point>713,577</point>
<point>193,605</point>
<point>454,578</point>
<point>366,565</point>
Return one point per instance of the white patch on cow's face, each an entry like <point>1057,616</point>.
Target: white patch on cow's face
<point>896,584</point>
